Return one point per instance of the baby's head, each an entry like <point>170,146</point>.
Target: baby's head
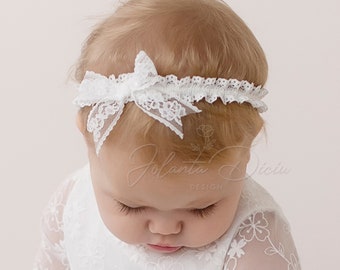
<point>151,186</point>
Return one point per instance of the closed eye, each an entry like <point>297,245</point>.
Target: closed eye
<point>204,212</point>
<point>130,210</point>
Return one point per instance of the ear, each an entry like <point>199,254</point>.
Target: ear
<point>80,122</point>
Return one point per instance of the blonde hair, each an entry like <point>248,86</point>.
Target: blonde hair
<point>185,38</point>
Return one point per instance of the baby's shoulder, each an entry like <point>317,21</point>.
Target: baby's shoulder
<point>257,205</point>
<point>256,198</point>
<point>60,196</point>
<point>77,178</point>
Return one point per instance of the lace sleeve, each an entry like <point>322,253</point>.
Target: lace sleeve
<point>263,241</point>
<point>51,253</point>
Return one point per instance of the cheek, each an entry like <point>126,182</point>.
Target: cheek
<point>214,227</point>
<point>225,215</point>
<point>206,230</point>
<point>129,229</point>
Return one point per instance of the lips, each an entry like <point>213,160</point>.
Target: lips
<point>164,248</point>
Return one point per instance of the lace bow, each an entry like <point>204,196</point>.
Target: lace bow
<point>166,99</point>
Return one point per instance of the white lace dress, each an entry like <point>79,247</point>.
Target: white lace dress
<point>75,237</point>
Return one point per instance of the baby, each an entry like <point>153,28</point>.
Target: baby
<point>170,97</point>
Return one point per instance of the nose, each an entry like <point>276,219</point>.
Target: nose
<point>165,225</point>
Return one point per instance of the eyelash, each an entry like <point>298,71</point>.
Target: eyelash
<point>202,213</point>
<point>129,210</point>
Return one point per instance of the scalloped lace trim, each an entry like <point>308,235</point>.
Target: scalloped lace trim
<point>166,99</point>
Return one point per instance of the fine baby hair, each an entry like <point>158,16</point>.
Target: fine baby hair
<point>185,77</point>
<point>182,38</point>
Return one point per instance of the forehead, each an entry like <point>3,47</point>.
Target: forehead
<point>136,180</point>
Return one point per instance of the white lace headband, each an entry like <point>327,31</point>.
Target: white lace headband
<point>166,99</point>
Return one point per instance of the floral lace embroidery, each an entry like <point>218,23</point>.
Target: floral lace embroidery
<point>166,99</point>
<point>256,228</point>
<point>236,248</point>
<point>51,252</point>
